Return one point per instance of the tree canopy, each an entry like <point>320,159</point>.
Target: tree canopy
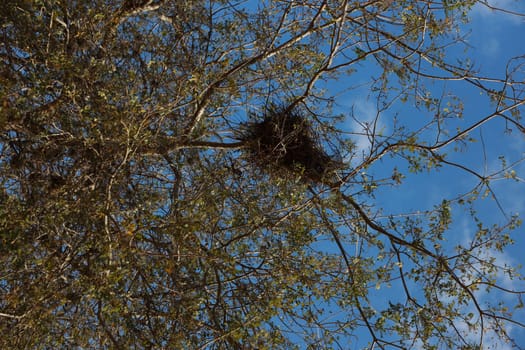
<point>184,174</point>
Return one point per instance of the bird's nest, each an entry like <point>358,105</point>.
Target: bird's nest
<point>284,143</point>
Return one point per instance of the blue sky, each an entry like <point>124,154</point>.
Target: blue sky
<point>494,38</point>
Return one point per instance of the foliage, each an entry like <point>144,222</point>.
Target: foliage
<point>130,216</point>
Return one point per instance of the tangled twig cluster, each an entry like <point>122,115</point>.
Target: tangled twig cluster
<point>284,141</point>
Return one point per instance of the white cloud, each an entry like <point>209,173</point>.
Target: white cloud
<point>366,125</point>
<point>487,10</point>
<point>491,339</point>
<point>489,28</point>
<point>490,47</point>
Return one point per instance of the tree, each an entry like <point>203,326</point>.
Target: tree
<point>134,212</point>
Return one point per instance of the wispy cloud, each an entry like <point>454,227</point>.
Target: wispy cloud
<point>490,47</point>
<point>489,10</point>
<point>490,27</point>
<point>491,338</point>
<point>366,124</point>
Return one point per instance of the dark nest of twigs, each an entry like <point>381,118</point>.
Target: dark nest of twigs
<point>283,142</point>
